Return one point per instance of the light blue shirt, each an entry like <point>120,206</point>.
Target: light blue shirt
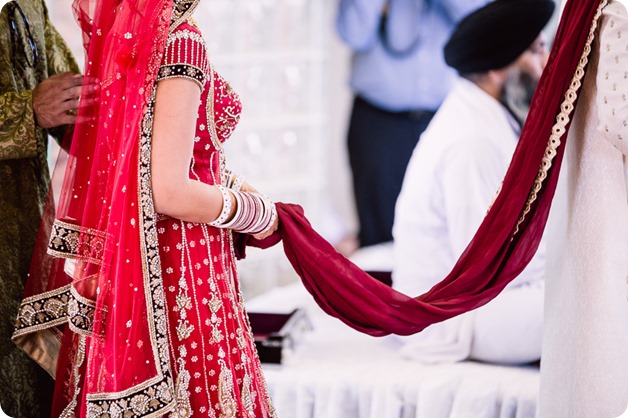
<point>418,79</point>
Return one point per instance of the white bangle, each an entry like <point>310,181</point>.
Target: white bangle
<point>238,181</point>
<point>234,222</point>
<point>227,204</point>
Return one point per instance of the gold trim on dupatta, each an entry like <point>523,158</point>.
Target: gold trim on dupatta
<point>562,119</point>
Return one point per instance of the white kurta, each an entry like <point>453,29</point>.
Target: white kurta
<point>450,182</point>
<point>584,371</point>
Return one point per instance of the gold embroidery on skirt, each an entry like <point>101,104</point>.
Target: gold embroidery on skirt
<point>183,408</point>
<point>248,396</point>
<point>226,397</point>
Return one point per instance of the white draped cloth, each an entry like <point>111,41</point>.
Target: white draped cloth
<point>451,180</point>
<point>584,370</point>
<point>337,372</point>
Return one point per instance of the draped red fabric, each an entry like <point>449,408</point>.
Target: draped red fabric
<point>505,242</point>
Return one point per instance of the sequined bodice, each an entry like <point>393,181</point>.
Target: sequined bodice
<point>186,57</point>
<point>226,113</point>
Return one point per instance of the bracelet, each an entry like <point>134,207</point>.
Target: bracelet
<point>234,181</point>
<point>236,220</point>
<point>237,183</point>
<point>226,207</point>
<point>254,214</point>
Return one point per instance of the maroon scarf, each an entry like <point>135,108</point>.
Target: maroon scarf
<point>505,242</point>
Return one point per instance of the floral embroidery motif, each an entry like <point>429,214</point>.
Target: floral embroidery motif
<point>183,409</point>
<point>42,311</point>
<point>248,396</point>
<point>214,305</point>
<point>75,242</point>
<point>226,122</point>
<point>226,396</point>
<point>183,301</point>
<point>81,313</point>
<point>182,71</point>
<point>154,398</point>
<point>53,308</point>
<point>184,329</point>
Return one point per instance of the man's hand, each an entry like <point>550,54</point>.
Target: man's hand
<point>268,233</point>
<point>246,187</point>
<point>56,99</point>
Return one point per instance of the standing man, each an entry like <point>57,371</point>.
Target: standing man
<point>399,78</point>
<point>584,371</point>
<point>454,174</point>
<point>39,92</point>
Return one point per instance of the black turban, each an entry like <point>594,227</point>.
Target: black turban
<point>495,35</point>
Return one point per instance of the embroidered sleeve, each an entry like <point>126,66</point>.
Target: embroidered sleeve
<point>17,126</point>
<point>612,100</point>
<point>185,57</point>
<point>59,60</point>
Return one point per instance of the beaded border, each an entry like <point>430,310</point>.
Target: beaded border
<point>189,72</point>
<point>73,241</point>
<point>42,311</point>
<point>53,308</point>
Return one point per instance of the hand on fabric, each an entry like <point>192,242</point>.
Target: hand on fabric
<point>246,187</point>
<point>56,99</point>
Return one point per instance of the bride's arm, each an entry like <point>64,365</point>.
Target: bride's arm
<point>174,193</point>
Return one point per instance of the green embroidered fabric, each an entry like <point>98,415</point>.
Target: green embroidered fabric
<point>24,181</point>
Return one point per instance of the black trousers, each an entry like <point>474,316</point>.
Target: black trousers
<point>380,144</point>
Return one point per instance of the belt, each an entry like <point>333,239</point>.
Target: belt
<point>408,114</point>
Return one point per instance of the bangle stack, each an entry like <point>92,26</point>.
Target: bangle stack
<point>255,213</point>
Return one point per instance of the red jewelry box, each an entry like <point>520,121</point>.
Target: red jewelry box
<point>277,333</point>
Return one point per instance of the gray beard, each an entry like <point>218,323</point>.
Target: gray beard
<point>517,94</point>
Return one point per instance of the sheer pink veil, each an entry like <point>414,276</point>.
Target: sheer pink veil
<point>98,280</point>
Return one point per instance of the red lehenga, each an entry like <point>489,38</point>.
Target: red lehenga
<point>210,337</point>
<point>136,314</point>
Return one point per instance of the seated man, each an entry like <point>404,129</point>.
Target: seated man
<point>454,174</point>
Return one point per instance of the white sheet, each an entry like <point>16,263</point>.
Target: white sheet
<point>337,372</point>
